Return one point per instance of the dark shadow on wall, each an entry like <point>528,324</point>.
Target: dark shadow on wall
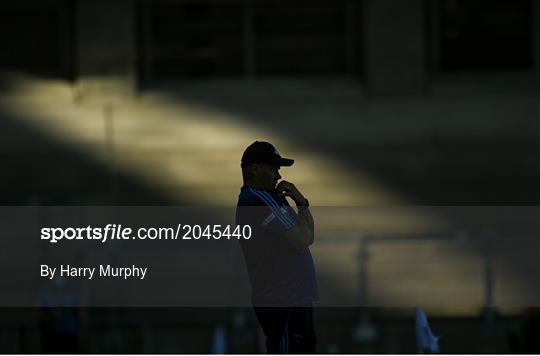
<point>36,38</point>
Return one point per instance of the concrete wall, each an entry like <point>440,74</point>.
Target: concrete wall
<point>106,47</point>
<point>395,47</point>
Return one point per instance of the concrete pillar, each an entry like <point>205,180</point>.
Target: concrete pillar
<point>106,48</point>
<point>395,47</point>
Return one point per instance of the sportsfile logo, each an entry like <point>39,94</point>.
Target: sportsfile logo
<point>111,231</point>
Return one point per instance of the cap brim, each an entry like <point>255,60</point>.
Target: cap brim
<point>286,162</point>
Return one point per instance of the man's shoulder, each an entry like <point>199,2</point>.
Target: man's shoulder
<point>252,197</point>
<point>274,212</point>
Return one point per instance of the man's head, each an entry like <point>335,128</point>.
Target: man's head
<point>260,165</point>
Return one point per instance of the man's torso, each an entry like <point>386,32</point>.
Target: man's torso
<point>280,275</point>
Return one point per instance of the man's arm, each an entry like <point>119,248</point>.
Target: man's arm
<point>302,235</point>
<point>304,215</point>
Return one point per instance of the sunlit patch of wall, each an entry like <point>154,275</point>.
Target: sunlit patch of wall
<point>179,145</point>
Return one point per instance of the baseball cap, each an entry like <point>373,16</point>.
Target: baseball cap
<point>264,152</point>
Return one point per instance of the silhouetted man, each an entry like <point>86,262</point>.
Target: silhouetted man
<point>278,260</point>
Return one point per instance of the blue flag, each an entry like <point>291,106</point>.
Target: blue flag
<point>426,341</point>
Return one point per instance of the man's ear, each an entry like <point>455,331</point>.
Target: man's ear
<point>255,168</point>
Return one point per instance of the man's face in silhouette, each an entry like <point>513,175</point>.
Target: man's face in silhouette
<point>266,175</point>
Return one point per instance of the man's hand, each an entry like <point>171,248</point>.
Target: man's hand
<point>302,235</point>
<point>288,189</point>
